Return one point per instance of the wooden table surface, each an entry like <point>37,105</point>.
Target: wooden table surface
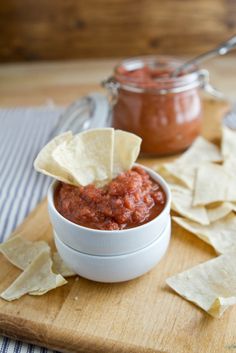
<point>112,318</point>
<point>62,82</point>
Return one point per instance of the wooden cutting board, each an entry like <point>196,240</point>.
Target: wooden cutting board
<point>142,315</point>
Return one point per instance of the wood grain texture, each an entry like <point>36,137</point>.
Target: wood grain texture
<point>139,316</point>
<point>58,29</point>
<point>60,83</point>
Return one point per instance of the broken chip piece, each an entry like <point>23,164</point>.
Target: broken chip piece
<point>21,252</point>
<point>36,279</point>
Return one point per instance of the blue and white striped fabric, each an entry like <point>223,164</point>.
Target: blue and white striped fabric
<point>23,132</point>
<point>10,346</point>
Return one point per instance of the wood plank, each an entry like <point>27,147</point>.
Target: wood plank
<point>137,316</point>
<point>57,30</point>
<point>62,82</point>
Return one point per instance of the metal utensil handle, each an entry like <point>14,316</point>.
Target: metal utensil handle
<point>221,49</point>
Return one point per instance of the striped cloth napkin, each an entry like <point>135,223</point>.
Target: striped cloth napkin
<point>23,132</point>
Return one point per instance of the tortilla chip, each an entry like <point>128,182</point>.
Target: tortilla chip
<point>181,202</point>
<point>45,164</point>
<point>126,151</point>
<point>228,143</point>
<point>91,157</point>
<point>230,166</point>
<point>210,285</point>
<point>184,168</point>
<point>88,156</point>
<point>219,306</point>
<point>60,267</point>
<point>21,252</point>
<point>221,234</point>
<point>36,279</point>
<point>160,169</point>
<point>201,151</point>
<point>215,183</point>
<point>183,173</point>
<point>219,211</point>
<point>211,181</point>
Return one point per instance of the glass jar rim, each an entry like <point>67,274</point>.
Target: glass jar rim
<point>191,78</point>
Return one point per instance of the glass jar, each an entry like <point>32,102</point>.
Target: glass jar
<point>165,111</point>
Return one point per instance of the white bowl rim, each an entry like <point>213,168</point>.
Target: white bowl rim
<point>120,256</point>
<point>118,231</point>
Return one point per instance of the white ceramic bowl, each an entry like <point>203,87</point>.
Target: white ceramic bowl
<point>106,242</point>
<point>115,268</point>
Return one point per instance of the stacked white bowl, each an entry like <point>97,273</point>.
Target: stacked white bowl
<point>116,255</point>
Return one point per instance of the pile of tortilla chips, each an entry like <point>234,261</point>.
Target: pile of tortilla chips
<point>203,185</point>
<point>92,157</point>
<point>40,272</point>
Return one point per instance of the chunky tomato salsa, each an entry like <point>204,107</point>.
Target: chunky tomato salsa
<point>129,200</point>
<point>165,112</point>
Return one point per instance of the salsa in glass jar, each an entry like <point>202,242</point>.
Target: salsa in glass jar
<point>165,111</point>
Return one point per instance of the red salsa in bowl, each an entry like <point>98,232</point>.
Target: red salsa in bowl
<point>130,200</point>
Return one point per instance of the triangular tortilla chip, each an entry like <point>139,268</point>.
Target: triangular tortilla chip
<point>88,156</point>
<point>170,178</point>
<point>184,168</point>
<point>21,252</point>
<point>211,183</point>
<point>36,279</point>
<point>228,143</point>
<point>45,164</point>
<point>210,285</point>
<point>201,151</point>
<point>181,202</point>
<point>221,234</point>
<point>215,183</point>
<point>185,174</point>
<point>126,151</point>
<point>60,267</point>
<point>94,156</point>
